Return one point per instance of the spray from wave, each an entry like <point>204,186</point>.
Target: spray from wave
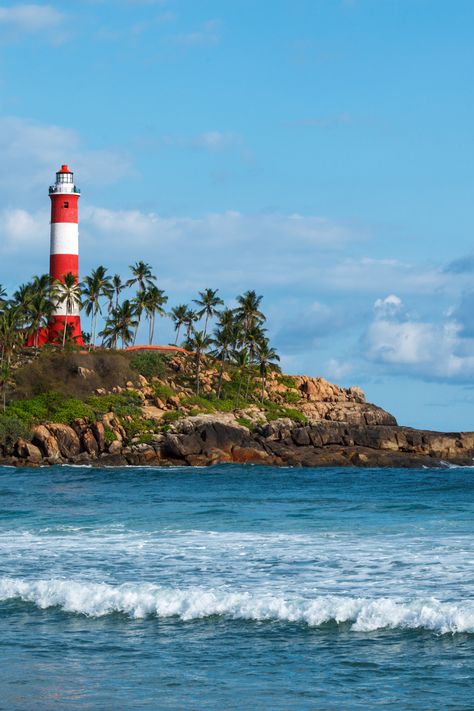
<point>146,599</point>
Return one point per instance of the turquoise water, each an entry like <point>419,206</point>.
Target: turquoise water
<point>235,588</point>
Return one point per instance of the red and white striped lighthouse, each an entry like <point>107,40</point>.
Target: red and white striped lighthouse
<point>64,252</point>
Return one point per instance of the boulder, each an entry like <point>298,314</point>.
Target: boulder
<point>67,439</point>
<point>98,430</point>
<point>27,450</point>
<point>89,443</point>
<point>46,442</point>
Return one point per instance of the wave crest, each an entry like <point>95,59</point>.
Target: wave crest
<point>146,599</point>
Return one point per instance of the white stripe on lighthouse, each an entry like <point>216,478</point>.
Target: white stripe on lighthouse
<point>64,238</point>
<point>60,310</point>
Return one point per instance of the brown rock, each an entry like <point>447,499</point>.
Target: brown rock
<point>98,431</point>
<point>27,450</point>
<point>115,447</point>
<point>46,442</point>
<point>89,443</point>
<point>67,439</point>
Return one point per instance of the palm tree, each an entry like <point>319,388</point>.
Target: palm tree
<point>241,359</point>
<point>267,357</point>
<point>198,343</point>
<point>154,300</point>
<point>22,297</point>
<point>208,301</point>
<point>95,286</point>
<point>11,337</point>
<point>248,310</point>
<point>117,287</point>
<point>190,320</point>
<point>139,304</point>
<point>224,338</point>
<point>178,316</point>
<point>3,296</point>
<point>120,324</point>
<point>141,275</point>
<point>39,312</point>
<point>68,292</point>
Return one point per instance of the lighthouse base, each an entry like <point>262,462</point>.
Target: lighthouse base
<point>72,324</point>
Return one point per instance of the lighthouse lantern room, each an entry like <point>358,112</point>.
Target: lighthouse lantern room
<point>64,251</point>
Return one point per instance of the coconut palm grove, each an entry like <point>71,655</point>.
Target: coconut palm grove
<point>117,306</point>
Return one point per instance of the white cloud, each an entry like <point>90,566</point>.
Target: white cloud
<point>207,35</point>
<point>431,350</point>
<point>389,306</point>
<point>30,17</point>
<point>39,149</point>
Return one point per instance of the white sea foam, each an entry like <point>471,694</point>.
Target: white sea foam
<point>146,599</point>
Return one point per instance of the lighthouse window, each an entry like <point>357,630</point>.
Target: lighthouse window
<point>65,204</point>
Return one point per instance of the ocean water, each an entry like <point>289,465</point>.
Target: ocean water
<point>236,588</point>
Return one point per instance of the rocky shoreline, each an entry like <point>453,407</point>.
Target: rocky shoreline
<point>303,421</point>
<point>205,440</point>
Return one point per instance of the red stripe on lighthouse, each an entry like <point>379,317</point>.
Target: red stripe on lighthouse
<point>62,264</point>
<point>64,208</point>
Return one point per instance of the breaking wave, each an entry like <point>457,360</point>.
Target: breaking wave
<point>146,599</point>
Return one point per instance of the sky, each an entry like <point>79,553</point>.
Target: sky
<point>317,151</point>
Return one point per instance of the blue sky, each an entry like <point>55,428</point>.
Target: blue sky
<point>319,151</point>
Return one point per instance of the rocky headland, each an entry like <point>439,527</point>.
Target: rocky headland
<point>304,421</point>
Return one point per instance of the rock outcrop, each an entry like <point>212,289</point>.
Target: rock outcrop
<point>210,439</point>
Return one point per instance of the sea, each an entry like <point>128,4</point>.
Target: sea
<point>236,587</point>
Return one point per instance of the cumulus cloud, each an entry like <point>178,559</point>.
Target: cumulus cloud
<point>431,350</point>
<point>37,147</point>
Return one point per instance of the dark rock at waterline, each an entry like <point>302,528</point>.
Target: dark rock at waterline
<point>211,439</point>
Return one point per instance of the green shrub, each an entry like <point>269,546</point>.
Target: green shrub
<point>149,363</point>
<point>146,438</point>
<point>274,412</point>
<point>70,410</point>
<point>11,429</point>
<point>199,402</point>
<point>162,391</point>
<point>286,380</point>
<point>292,397</point>
<point>127,403</point>
<point>171,416</point>
<point>52,407</point>
<point>109,436</point>
<point>245,422</point>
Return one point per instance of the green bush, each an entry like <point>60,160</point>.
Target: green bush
<point>52,407</point>
<point>171,416</point>
<point>274,412</point>
<point>292,397</point>
<point>127,403</point>
<point>199,402</point>
<point>11,429</point>
<point>72,409</point>
<point>245,422</point>
<point>286,380</point>
<point>146,438</point>
<point>109,436</point>
<point>149,363</point>
<point>163,391</point>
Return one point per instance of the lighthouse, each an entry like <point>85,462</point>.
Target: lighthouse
<point>64,250</point>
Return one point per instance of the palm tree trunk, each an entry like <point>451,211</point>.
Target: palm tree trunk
<point>198,371</point>
<point>136,330</point>
<point>177,334</point>
<point>205,323</point>
<point>65,327</point>
<point>221,375</point>
<point>263,387</point>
